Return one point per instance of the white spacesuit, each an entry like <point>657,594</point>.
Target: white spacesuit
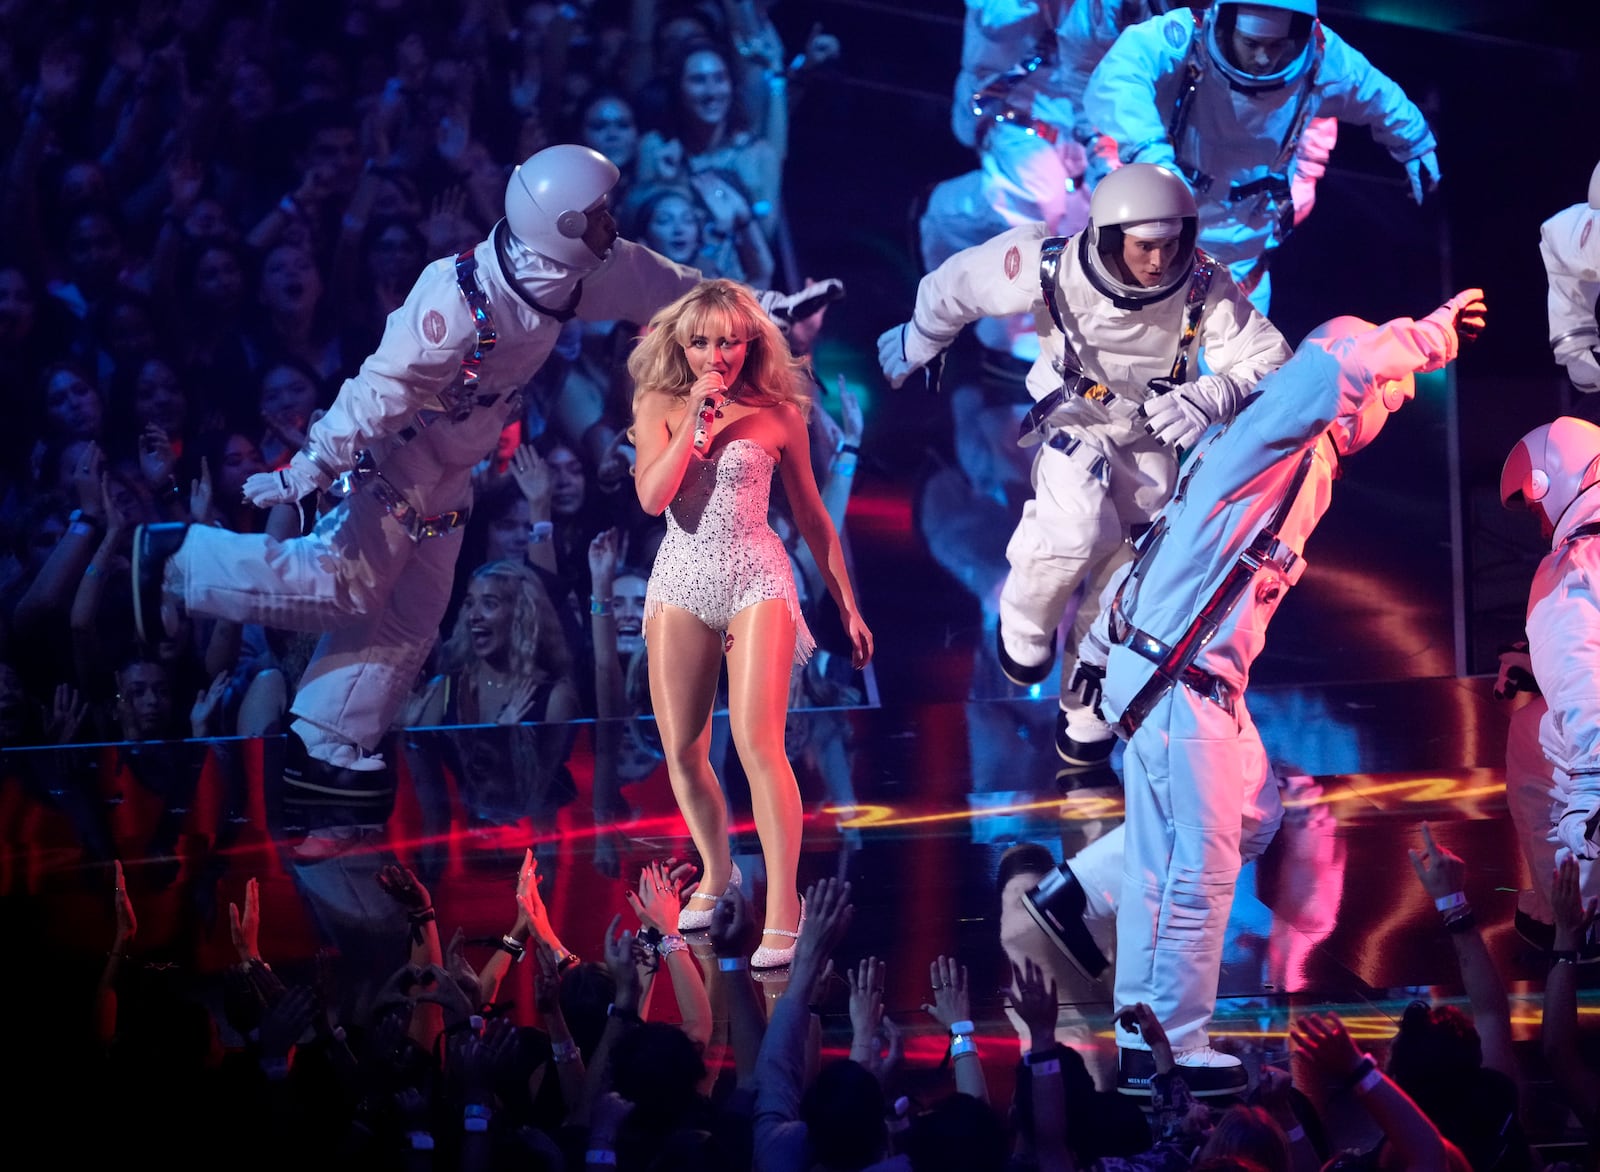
<point>404,433</point>
<point>1226,98</point>
<point>1554,471</point>
<point>1182,625</point>
<point>1569,243</point>
<point>1112,344</point>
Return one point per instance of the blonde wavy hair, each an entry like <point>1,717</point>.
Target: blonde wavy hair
<point>538,646</point>
<point>771,374</point>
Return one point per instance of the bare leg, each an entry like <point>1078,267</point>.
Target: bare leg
<point>758,701</point>
<point>685,660</point>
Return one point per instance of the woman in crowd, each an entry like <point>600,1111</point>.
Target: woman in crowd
<point>506,663</point>
<point>719,402</point>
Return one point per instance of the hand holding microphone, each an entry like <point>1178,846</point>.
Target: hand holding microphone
<point>707,407</point>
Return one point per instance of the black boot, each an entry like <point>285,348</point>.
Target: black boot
<point>1056,905</point>
<point>152,546</point>
<point>326,799</point>
<point>1021,674</point>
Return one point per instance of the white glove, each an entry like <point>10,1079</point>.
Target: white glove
<point>1175,416</point>
<point>787,308</point>
<point>1422,170</point>
<point>1584,371</point>
<point>285,486</point>
<point>905,349</point>
<point>1574,828</point>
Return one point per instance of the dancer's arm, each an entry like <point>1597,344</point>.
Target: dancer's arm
<point>811,517</point>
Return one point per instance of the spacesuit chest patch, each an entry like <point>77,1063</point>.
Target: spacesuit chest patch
<point>1174,32</point>
<point>1013,262</point>
<point>433,327</point>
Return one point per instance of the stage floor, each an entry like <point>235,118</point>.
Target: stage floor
<point>914,806</point>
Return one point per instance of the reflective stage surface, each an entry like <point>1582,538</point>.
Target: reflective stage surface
<point>914,806</point>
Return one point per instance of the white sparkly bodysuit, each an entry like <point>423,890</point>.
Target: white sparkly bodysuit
<point>720,555</point>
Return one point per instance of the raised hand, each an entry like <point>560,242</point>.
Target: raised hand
<point>603,561</point>
<point>1327,1044</point>
<point>952,1001</point>
<point>733,930</point>
<point>851,421</point>
<point>1036,1002</point>
<point>200,498</point>
<point>461,970</point>
<point>1442,873</point>
<point>66,717</point>
<point>127,922</point>
<point>1142,1020</point>
<point>828,914</point>
<point>286,1021</point>
<point>245,926</point>
<point>866,1002</point>
<point>658,899</point>
<point>1566,902</point>
<point>206,703</point>
<point>532,475</point>
<point>402,885</point>
<point>618,947</point>
<point>88,473</point>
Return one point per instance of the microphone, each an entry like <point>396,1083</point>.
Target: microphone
<point>702,433</point>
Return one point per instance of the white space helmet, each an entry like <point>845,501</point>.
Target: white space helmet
<point>1131,197</point>
<point>549,197</point>
<point>1261,18</point>
<point>1594,188</point>
<point>1357,429</point>
<point>1550,468</point>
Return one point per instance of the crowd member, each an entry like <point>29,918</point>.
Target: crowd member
<point>1118,392</point>
<point>721,584</point>
<point>507,664</point>
<point>705,134</point>
<point>1571,268</point>
<point>1225,98</point>
<point>1184,622</point>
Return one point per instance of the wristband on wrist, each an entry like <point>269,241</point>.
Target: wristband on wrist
<point>599,607</point>
<point>631,1016</point>
<point>1368,1081</point>
<point>958,1028</point>
<point>962,1045</point>
<point>732,964</point>
<point>1295,1134</point>
<point>475,1117</point>
<point>565,1051</point>
<point>424,916</point>
<point>1448,903</point>
<point>600,1156</point>
<point>1048,1066</point>
<point>540,532</point>
<point>566,961</point>
<point>667,945</point>
<point>852,449</point>
<point>1460,920</point>
<point>275,1068</point>
<point>1563,956</point>
<point>1363,1068</point>
<point>421,1141</point>
<point>509,944</point>
<point>289,206</point>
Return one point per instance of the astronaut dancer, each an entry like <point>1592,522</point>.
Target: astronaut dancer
<point>1227,98</point>
<point>402,436</point>
<point>1554,471</point>
<point>1182,626</point>
<point>1570,247</point>
<point>1121,311</point>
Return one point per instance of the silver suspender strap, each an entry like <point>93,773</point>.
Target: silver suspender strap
<point>1035,424</point>
<point>1194,304</point>
<point>459,401</point>
<point>1176,659</point>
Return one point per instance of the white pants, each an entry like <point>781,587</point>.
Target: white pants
<point>1074,531</point>
<point>359,577</point>
<point>1201,798</point>
<point>1536,805</point>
